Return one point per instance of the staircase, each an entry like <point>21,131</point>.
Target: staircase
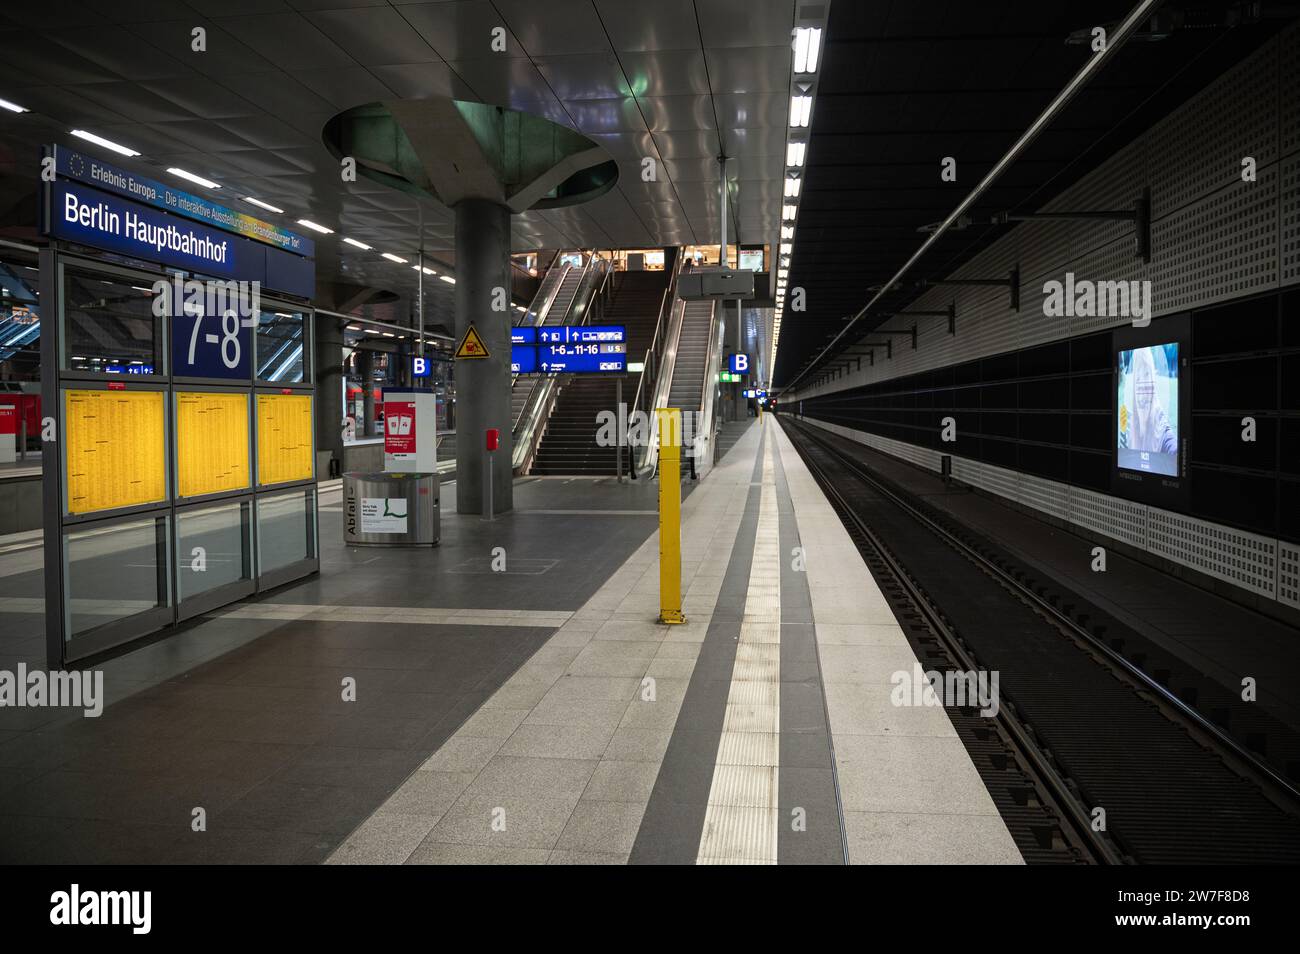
<point>569,444</point>
<point>521,388</point>
<point>687,389</point>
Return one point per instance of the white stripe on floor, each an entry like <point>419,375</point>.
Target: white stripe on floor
<point>740,822</point>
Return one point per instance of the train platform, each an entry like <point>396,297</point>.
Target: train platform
<point>530,712</point>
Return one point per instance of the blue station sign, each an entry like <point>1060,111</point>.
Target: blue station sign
<point>107,177</point>
<point>78,213</point>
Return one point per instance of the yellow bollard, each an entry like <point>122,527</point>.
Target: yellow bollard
<point>670,515</point>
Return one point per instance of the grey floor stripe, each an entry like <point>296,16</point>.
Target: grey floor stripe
<point>674,818</point>
<point>807,778</point>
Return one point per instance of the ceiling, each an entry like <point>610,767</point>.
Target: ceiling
<point>678,81</point>
<point>908,82</point>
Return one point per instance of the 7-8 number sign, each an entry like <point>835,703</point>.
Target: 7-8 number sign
<point>211,346</point>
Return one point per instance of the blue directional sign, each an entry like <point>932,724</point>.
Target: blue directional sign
<point>569,349</point>
<point>584,334</point>
<point>523,359</point>
<point>582,359</point>
<point>420,367</point>
<point>739,363</point>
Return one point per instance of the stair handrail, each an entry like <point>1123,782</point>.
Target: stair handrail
<point>542,398</point>
<point>709,393</point>
<point>663,385</point>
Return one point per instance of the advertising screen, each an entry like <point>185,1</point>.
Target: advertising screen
<point>1147,408</point>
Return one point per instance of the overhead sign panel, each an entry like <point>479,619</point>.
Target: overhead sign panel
<point>78,213</point>
<point>116,449</point>
<point>570,349</point>
<point>284,438</point>
<point>584,334</point>
<point>104,175</point>
<point>211,442</point>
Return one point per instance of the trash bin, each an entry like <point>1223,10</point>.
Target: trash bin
<point>384,509</point>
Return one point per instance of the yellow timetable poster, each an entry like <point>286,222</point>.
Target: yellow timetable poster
<point>284,438</point>
<point>211,442</point>
<point>116,449</point>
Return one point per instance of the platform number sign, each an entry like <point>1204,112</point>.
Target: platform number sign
<point>419,367</point>
<point>740,363</point>
<point>211,346</point>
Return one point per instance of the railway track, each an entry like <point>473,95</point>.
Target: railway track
<point>1089,759</point>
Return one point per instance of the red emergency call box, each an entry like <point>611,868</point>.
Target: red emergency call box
<point>493,438</point>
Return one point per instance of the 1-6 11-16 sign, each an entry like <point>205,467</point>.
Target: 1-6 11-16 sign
<point>568,349</point>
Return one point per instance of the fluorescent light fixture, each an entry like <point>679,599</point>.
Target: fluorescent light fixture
<point>106,143</point>
<point>788,212</point>
<point>12,107</point>
<point>427,269</point>
<point>448,279</point>
<point>792,188</point>
<point>315,227</point>
<point>787,247</point>
<point>372,331</point>
<point>354,242</point>
<point>794,153</point>
<point>787,231</point>
<point>263,205</point>
<point>800,110</point>
<point>354,327</point>
<point>389,334</point>
<point>520,308</point>
<point>182,174</point>
<point>807,46</point>
<point>393,258</point>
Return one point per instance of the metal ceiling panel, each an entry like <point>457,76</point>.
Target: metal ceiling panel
<point>662,25</point>
<point>666,113</point>
<point>554,28</point>
<point>375,35</point>
<point>666,72</point>
<point>750,69</point>
<point>461,30</point>
<point>287,40</point>
<point>746,23</point>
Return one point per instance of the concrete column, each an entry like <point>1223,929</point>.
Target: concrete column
<point>328,361</point>
<point>483,384</point>
<point>366,372</point>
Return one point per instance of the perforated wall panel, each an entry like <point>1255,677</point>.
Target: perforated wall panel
<point>1288,573</point>
<point>1248,560</point>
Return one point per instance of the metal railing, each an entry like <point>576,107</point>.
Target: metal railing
<point>660,360</point>
<point>541,399</point>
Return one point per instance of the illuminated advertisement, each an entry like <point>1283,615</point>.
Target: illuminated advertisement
<point>1147,409</point>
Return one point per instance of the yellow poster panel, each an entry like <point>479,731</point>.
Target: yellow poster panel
<point>211,442</point>
<point>284,438</point>
<point>116,444</point>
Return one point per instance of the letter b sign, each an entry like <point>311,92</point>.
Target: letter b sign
<point>740,364</point>
<point>419,367</point>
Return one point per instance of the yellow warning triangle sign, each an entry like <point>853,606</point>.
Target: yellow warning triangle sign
<point>471,346</point>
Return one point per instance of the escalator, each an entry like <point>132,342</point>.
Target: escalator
<point>569,445</point>
<point>691,370</point>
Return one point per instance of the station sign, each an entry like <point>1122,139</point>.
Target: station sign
<point>110,178</point>
<point>77,213</point>
<point>420,367</point>
<point>738,363</point>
